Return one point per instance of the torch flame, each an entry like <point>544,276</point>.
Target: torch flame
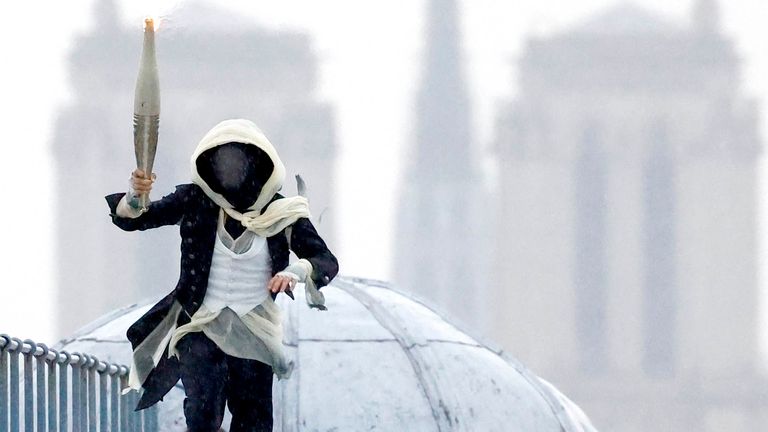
<point>152,22</point>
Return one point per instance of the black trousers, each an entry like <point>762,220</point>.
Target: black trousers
<point>212,379</point>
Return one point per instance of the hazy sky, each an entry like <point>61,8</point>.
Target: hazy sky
<point>370,54</point>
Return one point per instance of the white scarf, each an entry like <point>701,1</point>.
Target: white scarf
<point>279,215</point>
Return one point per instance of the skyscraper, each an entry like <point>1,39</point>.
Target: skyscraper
<point>440,228</point>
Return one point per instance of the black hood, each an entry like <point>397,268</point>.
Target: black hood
<point>237,171</point>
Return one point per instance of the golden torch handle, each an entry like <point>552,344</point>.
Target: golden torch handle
<point>146,107</point>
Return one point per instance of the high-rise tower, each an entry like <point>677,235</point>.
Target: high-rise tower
<point>706,16</point>
<point>440,227</point>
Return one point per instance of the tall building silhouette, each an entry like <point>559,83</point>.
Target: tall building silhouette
<point>213,65</point>
<point>627,254</point>
<point>440,225</point>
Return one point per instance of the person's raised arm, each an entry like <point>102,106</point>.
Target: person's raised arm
<point>166,211</point>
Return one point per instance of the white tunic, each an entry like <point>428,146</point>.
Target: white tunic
<point>238,313</point>
<point>238,281</point>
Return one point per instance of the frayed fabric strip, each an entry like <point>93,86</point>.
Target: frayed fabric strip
<point>148,353</point>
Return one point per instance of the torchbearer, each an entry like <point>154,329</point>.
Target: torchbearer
<point>146,111</point>
<point>220,330</point>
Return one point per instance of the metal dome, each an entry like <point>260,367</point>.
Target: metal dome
<point>376,360</point>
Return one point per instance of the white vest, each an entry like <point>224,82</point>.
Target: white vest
<point>238,281</point>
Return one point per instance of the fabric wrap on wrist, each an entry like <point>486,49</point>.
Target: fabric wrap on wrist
<point>303,270</point>
<point>132,198</point>
<point>126,210</point>
<point>297,271</point>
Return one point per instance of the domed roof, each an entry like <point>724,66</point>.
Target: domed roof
<point>377,359</point>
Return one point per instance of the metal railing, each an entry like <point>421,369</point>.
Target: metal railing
<point>60,392</point>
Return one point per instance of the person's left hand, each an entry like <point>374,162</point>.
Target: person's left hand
<point>280,283</point>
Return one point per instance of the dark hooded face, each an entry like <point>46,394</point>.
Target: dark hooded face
<point>237,171</point>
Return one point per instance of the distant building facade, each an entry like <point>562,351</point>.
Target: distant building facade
<point>442,217</point>
<point>627,254</point>
<point>217,66</point>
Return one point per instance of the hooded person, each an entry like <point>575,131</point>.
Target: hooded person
<point>236,231</point>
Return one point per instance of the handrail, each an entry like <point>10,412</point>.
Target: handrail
<point>60,392</point>
<point>41,350</point>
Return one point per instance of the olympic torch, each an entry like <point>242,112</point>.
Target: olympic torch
<point>146,108</point>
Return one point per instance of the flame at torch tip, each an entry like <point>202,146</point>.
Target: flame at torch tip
<point>157,11</point>
<point>152,23</point>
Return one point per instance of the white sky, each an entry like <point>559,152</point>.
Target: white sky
<point>370,56</point>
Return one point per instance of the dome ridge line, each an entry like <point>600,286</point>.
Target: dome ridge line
<point>542,387</point>
<point>104,320</point>
<point>407,342</point>
<point>288,392</point>
<point>482,340</point>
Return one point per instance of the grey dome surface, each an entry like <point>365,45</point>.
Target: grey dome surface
<point>376,360</point>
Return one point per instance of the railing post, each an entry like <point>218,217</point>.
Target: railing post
<point>150,424</point>
<point>40,366</point>
<point>75,386</point>
<point>5,340</point>
<point>114,403</point>
<point>52,402</point>
<point>29,401</point>
<point>133,419</point>
<point>124,402</point>
<point>64,365</point>
<point>103,411</point>
<point>142,418</point>
<point>83,390</point>
<point>93,363</point>
<point>15,408</point>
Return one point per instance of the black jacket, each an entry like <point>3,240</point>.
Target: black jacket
<point>197,217</point>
